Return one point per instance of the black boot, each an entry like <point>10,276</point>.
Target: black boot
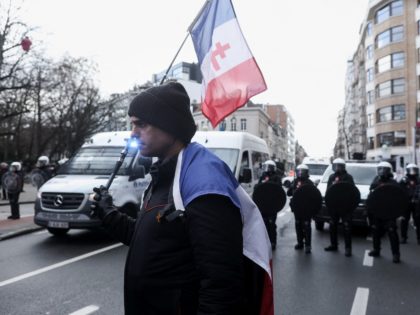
<point>347,238</point>
<point>374,253</point>
<point>347,252</point>
<point>404,228</point>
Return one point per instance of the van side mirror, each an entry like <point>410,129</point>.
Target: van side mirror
<point>246,175</point>
<point>137,172</point>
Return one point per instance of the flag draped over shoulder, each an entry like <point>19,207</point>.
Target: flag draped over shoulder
<point>196,163</point>
<point>231,75</point>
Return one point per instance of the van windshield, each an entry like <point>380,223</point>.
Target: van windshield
<point>317,169</point>
<point>229,156</point>
<point>97,161</point>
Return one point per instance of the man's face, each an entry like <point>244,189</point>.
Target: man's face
<point>154,141</point>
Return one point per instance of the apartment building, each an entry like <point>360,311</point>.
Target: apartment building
<point>382,84</point>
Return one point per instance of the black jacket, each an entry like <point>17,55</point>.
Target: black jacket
<point>379,181</point>
<point>298,183</point>
<point>409,184</point>
<point>270,177</point>
<point>187,266</point>
<point>340,177</point>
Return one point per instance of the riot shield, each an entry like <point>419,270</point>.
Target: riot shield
<point>342,198</point>
<point>387,202</point>
<point>270,198</point>
<point>306,202</point>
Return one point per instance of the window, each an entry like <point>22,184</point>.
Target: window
<point>243,124</point>
<point>384,114</point>
<point>370,120</point>
<point>388,62</point>
<point>392,9</point>
<point>370,97</point>
<point>393,34</point>
<point>222,126</point>
<point>233,124</point>
<point>369,75</point>
<point>390,87</point>
<point>393,138</point>
<point>371,143</point>
<point>369,52</point>
<point>369,28</point>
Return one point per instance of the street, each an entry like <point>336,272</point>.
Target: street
<point>83,274</point>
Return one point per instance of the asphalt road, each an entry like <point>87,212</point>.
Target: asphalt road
<point>83,274</point>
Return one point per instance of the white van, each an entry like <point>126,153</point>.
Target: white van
<point>243,152</point>
<point>62,203</point>
<point>317,167</point>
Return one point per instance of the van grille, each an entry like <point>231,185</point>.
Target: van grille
<point>62,201</point>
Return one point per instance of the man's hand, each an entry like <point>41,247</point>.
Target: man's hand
<point>101,202</point>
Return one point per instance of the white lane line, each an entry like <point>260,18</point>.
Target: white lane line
<point>86,310</point>
<point>40,232</point>
<point>369,238</point>
<point>360,302</point>
<point>58,265</point>
<point>367,260</point>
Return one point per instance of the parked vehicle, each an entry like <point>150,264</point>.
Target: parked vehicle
<point>243,152</point>
<point>363,175</point>
<point>316,167</point>
<point>62,203</point>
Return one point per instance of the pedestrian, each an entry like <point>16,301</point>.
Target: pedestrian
<point>13,183</point>
<point>269,175</point>
<point>42,172</point>
<point>302,226</point>
<point>3,170</point>
<point>409,183</point>
<point>378,225</point>
<point>185,247</point>
<point>340,175</point>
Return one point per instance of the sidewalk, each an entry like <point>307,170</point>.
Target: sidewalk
<point>12,228</point>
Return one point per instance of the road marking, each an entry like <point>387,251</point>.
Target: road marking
<point>40,232</point>
<point>86,310</point>
<point>58,265</point>
<point>369,238</point>
<point>367,260</point>
<point>360,302</point>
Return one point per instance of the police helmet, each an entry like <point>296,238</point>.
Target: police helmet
<point>43,160</point>
<point>412,169</point>
<point>384,169</point>
<point>302,171</point>
<point>16,166</point>
<point>269,166</point>
<point>339,165</point>
<point>4,165</point>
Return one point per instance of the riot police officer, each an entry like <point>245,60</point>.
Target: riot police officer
<point>270,173</point>
<point>340,175</point>
<point>378,225</point>
<point>302,226</point>
<point>409,183</point>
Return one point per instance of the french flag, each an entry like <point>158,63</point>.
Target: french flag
<point>199,172</point>
<point>231,75</point>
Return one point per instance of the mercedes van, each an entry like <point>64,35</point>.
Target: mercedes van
<point>243,152</point>
<point>62,202</point>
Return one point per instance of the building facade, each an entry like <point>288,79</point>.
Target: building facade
<point>382,83</point>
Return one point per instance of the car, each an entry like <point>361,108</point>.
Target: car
<point>363,174</point>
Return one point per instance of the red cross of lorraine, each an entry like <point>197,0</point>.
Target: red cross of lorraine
<point>219,51</point>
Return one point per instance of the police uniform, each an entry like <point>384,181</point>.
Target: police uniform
<point>409,184</point>
<point>302,227</point>
<point>379,226</point>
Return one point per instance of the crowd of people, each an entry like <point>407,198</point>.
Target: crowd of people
<point>378,225</point>
<point>12,181</point>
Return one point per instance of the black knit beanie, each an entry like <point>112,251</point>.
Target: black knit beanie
<point>166,107</point>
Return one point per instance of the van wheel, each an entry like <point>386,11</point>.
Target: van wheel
<point>58,232</point>
<point>130,210</point>
<point>319,225</point>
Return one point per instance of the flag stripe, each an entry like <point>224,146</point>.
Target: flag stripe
<point>216,13</point>
<point>232,90</point>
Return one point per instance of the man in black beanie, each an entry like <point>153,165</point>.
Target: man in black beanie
<point>179,262</point>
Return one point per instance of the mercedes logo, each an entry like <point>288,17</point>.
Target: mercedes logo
<point>58,201</point>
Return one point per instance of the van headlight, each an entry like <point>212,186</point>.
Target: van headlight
<point>38,195</point>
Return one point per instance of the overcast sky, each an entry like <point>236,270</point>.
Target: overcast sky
<point>301,46</point>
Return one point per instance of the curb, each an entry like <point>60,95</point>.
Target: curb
<point>19,232</point>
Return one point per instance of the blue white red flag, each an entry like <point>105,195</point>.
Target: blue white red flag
<point>199,172</point>
<point>231,75</point>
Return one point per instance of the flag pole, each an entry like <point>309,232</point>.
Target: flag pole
<point>185,39</point>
